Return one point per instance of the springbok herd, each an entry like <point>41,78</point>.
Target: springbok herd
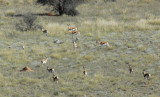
<point>74,31</point>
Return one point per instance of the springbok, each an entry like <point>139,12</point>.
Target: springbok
<point>44,31</point>
<point>55,78</point>
<point>44,61</point>
<point>75,32</point>
<point>50,70</point>
<point>70,29</point>
<point>130,69</point>
<point>26,68</point>
<point>103,43</point>
<point>146,75</point>
<point>84,71</point>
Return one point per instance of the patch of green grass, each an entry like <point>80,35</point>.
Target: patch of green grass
<point>141,48</point>
<point>28,81</point>
<point>9,55</point>
<point>76,94</point>
<point>87,57</point>
<point>57,30</point>
<point>154,22</point>
<point>146,1</point>
<point>148,58</point>
<point>56,56</point>
<point>130,45</point>
<point>2,80</point>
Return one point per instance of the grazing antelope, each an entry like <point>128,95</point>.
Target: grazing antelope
<point>26,69</point>
<point>50,70</point>
<point>74,44</point>
<point>75,32</point>
<point>85,71</point>
<point>146,75</point>
<point>55,78</point>
<point>44,31</point>
<point>44,61</point>
<point>130,69</point>
<point>70,29</point>
<point>103,43</point>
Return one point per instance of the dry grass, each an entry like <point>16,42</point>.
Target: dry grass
<point>131,28</point>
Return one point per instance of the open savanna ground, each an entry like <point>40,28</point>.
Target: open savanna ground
<point>132,28</point>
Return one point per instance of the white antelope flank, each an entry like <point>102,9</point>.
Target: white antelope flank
<point>44,61</point>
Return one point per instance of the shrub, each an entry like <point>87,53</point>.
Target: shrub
<point>63,6</point>
<point>28,23</point>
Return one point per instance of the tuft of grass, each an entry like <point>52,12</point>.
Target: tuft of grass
<point>141,48</point>
<point>89,34</point>
<point>39,50</point>
<point>154,22</point>
<point>129,18</point>
<point>99,77</point>
<point>30,1</point>
<point>142,25</point>
<point>56,93</point>
<point>28,81</point>
<point>56,56</point>
<point>67,89</point>
<point>149,58</point>
<point>10,12</point>
<point>57,30</point>
<point>110,48</point>
<point>76,94</point>
<point>88,57</point>
<point>146,1</point>
<point>130,45</point>
<point>152,95</point>
<point>2,80</point>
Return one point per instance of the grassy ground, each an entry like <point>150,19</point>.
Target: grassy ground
<point>132,27</point>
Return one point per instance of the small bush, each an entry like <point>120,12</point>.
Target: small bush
<point>28,23</point>
<point>29,20</point>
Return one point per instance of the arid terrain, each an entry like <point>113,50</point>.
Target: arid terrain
<point>131,27</point>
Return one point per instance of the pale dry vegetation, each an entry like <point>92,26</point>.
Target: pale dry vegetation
<point>132,28</point>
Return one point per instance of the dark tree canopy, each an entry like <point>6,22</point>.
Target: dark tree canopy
<point>63,6</point>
